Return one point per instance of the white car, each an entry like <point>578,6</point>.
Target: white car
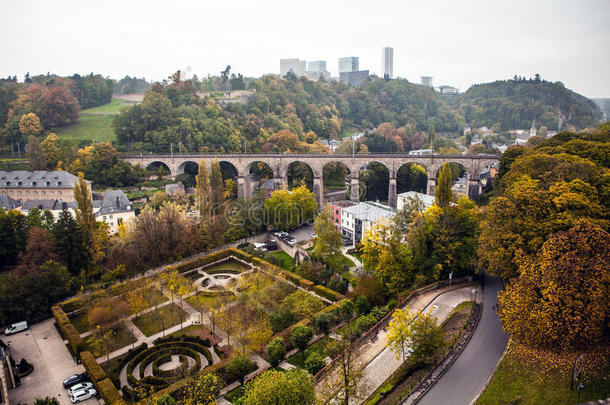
<point>80,386</point>
<point>82,395</point>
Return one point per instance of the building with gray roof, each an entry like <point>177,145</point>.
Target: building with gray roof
<point>41,184</point>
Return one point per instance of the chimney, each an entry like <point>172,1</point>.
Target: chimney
<point>118,203</point>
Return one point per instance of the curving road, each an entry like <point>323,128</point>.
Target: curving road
<point>467,376</point>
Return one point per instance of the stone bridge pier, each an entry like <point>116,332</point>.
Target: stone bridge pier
<point>279,164</point>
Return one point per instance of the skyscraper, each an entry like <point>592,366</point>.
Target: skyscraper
<point>295,66</point>
<point>387,61</point>
<point>348,64</point>
<point>316,66</point>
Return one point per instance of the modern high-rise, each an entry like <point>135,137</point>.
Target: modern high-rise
<point>348,64</point>
<point>316,66</point>
<point>387,61</point>
<point>293,65</point>
<point>426,81</point>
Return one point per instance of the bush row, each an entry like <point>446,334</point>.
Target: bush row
<point>73,304</point>
<point>102,383</point>
<point>210,258</point>
<point>67,329</point>
<point>328,293</point>
<point>180,370</point>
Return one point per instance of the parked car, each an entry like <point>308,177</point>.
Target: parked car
<point>260,246</point>
<point>291,242</point>
<point>75,379</point>
<point>16,328</point>
<point>80,386</point>
<point>82,395</point>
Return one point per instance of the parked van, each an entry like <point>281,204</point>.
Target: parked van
<point>16,327</point>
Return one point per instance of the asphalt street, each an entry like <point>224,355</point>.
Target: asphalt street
<point>467,376</point>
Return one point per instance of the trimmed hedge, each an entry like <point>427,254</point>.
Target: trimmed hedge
<point>72,304</point>
<point>67,329</point>
<point>108,391</point>
<point>210,258</point>
<point>95,371</point>
<point>328,293</point>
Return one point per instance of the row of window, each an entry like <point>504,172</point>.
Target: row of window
<point>27,192</point>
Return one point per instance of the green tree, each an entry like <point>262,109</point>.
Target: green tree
<point>69,243</point>
<point>239,367</point>
<point>426,336</point>
<point>442,193</point>
<point>300,336</point>
<point>400,333</point>
<point>315,362</point>
<point>280,388</point>
<point>46,401</point>
<point>328,241</point>
<point>276,350</point>
<point>323,323</point>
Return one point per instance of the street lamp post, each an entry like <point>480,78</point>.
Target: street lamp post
<point>474,294</point>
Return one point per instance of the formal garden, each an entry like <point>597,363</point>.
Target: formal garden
<point>214,313</point>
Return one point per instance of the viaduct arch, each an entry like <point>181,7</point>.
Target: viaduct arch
<point>279,164</point>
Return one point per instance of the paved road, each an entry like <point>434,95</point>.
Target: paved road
<point>466,377</point>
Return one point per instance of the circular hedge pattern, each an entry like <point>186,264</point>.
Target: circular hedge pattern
<point>143,369</point>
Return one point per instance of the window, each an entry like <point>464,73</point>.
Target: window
<point>19,192</point>
<point>59,193</point>
<point>12,192</point>
<point>119,221</point>
<point>50,192</point>
<point>110,216</point>
<point>104,217</point>
<point>27,192</point>
<point>35,192</point>
<point>44,193</point>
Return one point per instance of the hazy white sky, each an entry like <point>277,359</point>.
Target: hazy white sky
<point>458,42</point>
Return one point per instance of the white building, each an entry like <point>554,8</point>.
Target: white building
<point>316,66</point>
<point>357,219</point>
<point>294,65</point>
<point>387,61</point>
<point>426,81</point>
<point>115,209</point>
<point>420,152</point>
<point>404,198</point>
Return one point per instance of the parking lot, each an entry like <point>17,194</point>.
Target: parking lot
<point>42,346</point>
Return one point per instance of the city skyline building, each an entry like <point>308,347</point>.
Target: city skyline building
<point>387,61</point>
<point>349,64</point>
<point>426,81</point>
<point>294,65</point>
<point>316,66</point>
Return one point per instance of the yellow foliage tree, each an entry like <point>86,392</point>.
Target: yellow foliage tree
<point>29,125</point>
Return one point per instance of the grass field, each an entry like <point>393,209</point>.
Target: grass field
<point>95,123</point>
<point>231,266</point>
<point>543,378</point>
<point>154,321</point>
<point>121,337</point>
<point>287,262</point>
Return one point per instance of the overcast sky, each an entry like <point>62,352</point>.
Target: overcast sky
<point>458,42</point>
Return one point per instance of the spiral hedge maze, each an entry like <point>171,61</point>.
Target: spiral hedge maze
<point>155,368</point>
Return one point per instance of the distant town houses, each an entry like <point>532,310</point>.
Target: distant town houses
<point>358,218</point>
<point>53,191</point>
<point>403,199</point>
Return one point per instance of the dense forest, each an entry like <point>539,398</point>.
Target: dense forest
<point>290,114</point>
<point>513,104</point>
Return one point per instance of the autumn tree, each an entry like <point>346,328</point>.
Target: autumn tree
<point>426,336</point>
<point>29,125</point>
<point>202,191</point>
<point>201,389</point>
<point>51,150</point>
<point>281,388</point>
<point>399,332</point>
<point>328,241</point>
<point>37,159</point>
<point>387,256</point>
<point>39,248</point>
<point>84,214</point>
<point>560,298</point>
<point>347,385</point>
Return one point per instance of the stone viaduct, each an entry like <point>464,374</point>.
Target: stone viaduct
<point>279,163</point>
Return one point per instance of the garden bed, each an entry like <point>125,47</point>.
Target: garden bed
<point>162,318</point>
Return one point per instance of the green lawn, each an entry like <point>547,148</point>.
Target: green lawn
<point>90,127</point>
<point>154,321</point>
<point>121,337</point>
<point>95,123</point>
<point>287,262</point>
<point>231,266</point>
<point>234,395</point>
<point>80,322</point>
<point>523,380</point>
<point>319,346</point>
<point>208,300</point>
<point>349,131</point>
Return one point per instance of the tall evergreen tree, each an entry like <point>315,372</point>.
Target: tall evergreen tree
<point>202,190</point>
<point>217,185</point>
<point>69,243</point>
<point>84,214</point>
<point>442,193</point>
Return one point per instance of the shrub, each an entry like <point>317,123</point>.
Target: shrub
<point>108,391</point>
<point>361,304</point>
<point>281,319</point>
<point>73,304</point>
<point>327,293</point>
<point>239,367</point>
<point>365,322</point>
<point>301,335</point>
<point>95,371</point>
<point>315,362</point>
<point>338,284</point>
<point>276,350</point>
